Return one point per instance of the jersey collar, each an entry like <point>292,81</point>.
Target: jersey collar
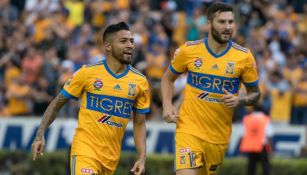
<point>117,76</point>
<point>217,55</point>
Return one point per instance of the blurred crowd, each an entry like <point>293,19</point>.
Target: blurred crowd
<point>42,42</point>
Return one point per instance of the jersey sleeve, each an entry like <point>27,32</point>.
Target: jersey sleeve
<point>73,88</point>
<point>141,105</point>
<point>178,65</point>
<point>250,74</point>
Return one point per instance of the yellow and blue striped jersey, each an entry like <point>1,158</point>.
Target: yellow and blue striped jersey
<point>107,102</point>
<point>202,113</point>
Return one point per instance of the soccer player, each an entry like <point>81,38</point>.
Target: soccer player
<point>109,90</point>
<point>215,68</point>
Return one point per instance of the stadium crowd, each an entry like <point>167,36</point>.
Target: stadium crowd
<point>42,42</point>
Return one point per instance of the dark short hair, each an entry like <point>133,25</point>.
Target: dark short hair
<point>218,7</point>
<point>113,28</point>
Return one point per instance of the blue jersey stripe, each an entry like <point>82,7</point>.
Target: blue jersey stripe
<point>255,83</point>
<point>68,95</point>
<point>141,111</point>
<point>171,68</point>
<point>115,106</point>
<point>213,83</point>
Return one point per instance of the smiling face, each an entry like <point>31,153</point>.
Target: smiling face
<point>121,46</point>
<point>222,26</point>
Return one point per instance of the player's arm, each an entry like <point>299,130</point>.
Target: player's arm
<point>252,96</point>
<point>167,90</point>
<point>48,117</point>
<point>249,77</point>
<point>139,133</point>
<point>178,66</point>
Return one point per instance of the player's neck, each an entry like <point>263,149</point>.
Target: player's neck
<point>115,66</point>
<point>215,46</point>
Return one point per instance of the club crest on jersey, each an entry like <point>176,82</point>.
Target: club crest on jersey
<point>230,68</point>
<point>131,89</point>
<point>98,84</point>
<point>198,63</point>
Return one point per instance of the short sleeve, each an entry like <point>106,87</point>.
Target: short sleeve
<point>142,102</point>
<point>178,65</point>
<point>250,74</point>
<point>73,88</point>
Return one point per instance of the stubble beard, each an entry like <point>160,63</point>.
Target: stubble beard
<point>121,59</point>
<point>217,36</point>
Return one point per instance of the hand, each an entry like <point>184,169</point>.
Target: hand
<point>139,167</point>
<point>229,99</point>
<point>38,145</point>
<point>170,114</point>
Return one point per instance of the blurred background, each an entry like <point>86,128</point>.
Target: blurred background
<point>42,42</point>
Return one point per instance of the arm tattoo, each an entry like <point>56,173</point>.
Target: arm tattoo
<point>253,95</point>
<point>50,114</point>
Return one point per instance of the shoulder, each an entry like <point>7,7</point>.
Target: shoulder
<point>189,46</point>
<point>193,43</point>
<point>239,47</point>
<point>94,64</point>
<point>136,72</point>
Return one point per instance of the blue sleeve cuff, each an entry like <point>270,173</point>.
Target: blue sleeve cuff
<point>171,68</point>
<point>252,83</point>
<point>141,111</point>
<point>68,95</point>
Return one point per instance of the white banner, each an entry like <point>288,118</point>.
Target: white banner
<point>18,134</point>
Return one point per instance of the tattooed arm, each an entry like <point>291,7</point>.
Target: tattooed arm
<point>253,95</point>
<point>48,118</point>
<point>251,98</point>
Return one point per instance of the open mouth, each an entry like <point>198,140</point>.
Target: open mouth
<point>128,53</point>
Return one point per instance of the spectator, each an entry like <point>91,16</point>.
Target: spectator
<point>299,111</point>
<point>18,95</point>
<point>280,92</point>
<point>8,13</point>
<point>31,66</point>
<point>68,30</point>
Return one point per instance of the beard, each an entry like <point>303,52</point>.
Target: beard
<point>122,58</point>
<point>218,36</point>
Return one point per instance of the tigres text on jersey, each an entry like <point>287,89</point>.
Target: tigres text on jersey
<point>202,113</point>
<point>107,102</point>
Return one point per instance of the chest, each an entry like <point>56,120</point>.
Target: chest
<point>227,66</point>
<point>110,86</point>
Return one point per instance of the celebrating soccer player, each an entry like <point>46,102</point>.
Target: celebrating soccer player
<point>109,91</point>
<point>215,68</point>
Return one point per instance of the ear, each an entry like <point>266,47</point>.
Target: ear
<point>107,47</point>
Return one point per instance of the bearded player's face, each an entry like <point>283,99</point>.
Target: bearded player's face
<point>222,26</point>
<point>122,46</point>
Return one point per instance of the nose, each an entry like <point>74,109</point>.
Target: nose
<point>130,44</point>
<point>228,26</point>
